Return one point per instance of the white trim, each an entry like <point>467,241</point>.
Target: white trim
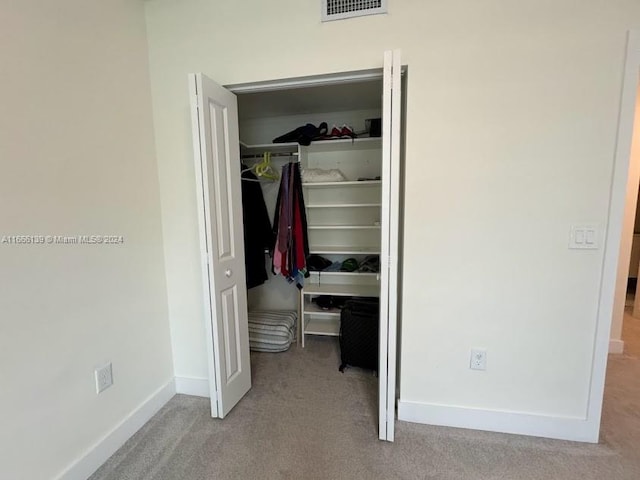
<point>563,428</point>
<point>385,216</point>
<point>194,81</point>
<point>394,248</point>
<point>272,85</point>
<point>614,230</point>
<point>98,453</point>
<point>198,387</point>
<point>616,346</point>
<point>306,82</point>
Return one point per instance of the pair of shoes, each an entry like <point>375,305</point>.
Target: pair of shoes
<point>344,132</point>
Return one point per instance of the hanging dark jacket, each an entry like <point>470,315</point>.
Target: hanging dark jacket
<point>258,235</point>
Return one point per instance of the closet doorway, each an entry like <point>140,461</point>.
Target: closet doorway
<point>240,121</point>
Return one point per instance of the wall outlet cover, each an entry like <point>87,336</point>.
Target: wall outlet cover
<point>104,377</point>
<point>478,359</point>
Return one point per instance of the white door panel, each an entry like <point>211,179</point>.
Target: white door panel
<point>394,247</point>
<point>391,124</point>
<point>216,146</point>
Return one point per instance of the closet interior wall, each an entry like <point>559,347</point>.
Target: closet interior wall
<point>265,116</point>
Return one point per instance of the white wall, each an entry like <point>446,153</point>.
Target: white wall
<point>511,126</point>
<point>76,157</point>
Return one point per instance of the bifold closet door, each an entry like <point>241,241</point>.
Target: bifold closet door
<point>217,164</point>
<point>391,138</point>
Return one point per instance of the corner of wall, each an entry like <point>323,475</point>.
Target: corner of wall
<point>97,454</point>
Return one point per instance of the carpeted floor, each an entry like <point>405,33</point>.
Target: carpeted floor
<point>304,420</point>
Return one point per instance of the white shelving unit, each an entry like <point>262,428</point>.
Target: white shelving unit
<point>343,222</point>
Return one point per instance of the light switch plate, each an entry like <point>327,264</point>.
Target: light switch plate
<point>583,237</point>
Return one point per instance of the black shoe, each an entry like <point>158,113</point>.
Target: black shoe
<point>303,135</point>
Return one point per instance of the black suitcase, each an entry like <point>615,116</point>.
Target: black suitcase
<point>359,333</point>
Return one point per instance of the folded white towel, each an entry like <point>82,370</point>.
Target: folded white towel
<point>315,175</point>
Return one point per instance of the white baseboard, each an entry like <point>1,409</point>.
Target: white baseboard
<point>97,454</point>
<point>198,387</point>
<point>564,428</point>
<point>616,346</point>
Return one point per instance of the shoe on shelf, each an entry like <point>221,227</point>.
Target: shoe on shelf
<point>335,132</point>
<point>347,132</point>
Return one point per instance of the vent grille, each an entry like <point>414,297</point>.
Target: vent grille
<point>339,9</point>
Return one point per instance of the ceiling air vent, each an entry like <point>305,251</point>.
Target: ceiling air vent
<point>339,9</point>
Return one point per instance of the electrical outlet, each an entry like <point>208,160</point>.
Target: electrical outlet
<point>104,377</point>
<point>478,359</point>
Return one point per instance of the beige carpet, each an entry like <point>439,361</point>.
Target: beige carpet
<point>304,420</point>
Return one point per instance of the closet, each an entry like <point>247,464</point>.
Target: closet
<point>344,215</point>
<point>353,218</point>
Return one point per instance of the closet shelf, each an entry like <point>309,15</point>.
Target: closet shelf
<point>343,227</point>
<point>323,327</point>
<point>343,249</point>
<point>349,183</point>
<point>317,146</point>
<point>268,147</point>
<point>345,144</point>
<point>323,273</point>
<point>310,308</point>
<point>346,205</point>
<point>342,290</point>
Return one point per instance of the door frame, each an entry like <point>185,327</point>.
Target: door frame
<point>613,233</point>
<point>305,82</point>
<point>389,399</point>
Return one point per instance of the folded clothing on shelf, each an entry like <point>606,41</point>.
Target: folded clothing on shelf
<point>304,134</point>
<point>315,175</point>
<point>349,265</point>
<point>317,263</point>
<point>370,264</point>
<point>307,133</point>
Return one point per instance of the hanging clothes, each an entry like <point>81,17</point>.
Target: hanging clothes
<point>290,228</point>
<point>258,234</point>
